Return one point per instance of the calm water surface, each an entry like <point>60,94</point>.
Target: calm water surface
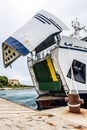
<point>26,97</point>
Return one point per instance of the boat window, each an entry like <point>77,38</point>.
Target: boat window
<point>8,58</point>
<point>79,71</point>
<point>6,53</point>
<point>14,54</point>
<point>5,47</point>
<point>11,56</point>
<point>9,51</point>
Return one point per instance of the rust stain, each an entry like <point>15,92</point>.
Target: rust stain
<point>50,115</point>
<point>49,123</point>
<point>83,113</point>
<point>78,127</point>
<point>26,42</point>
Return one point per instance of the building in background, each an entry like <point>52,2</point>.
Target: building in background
<point>14,82</point>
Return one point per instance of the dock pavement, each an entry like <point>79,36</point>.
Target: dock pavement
<point>18,117</point>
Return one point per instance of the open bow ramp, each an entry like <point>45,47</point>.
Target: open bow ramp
<point>35,33</point>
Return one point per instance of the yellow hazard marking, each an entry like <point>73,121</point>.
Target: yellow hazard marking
<point>51,68</point>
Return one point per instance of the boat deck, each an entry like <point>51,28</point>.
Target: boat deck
<point>17,117</point>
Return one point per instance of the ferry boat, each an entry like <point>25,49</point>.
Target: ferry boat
<point>57,64</point>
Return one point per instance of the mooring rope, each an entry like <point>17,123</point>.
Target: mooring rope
<point>72,75</point>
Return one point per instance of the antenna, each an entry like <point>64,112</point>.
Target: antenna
<point>77,28</point>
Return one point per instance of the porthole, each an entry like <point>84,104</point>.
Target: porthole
<point>9,51</point>
<point>6,53</point>
<point>14,54</point>
<point>5,47</point>
<point>11,56</point>
<point>8,58</point>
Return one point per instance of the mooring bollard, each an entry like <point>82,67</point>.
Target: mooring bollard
<point>74,102</point>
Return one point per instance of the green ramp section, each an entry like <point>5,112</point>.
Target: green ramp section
<point>46,76</point>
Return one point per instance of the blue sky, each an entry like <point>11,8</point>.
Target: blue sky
<point>15,13</point>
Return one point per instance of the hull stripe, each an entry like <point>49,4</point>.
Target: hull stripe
<point>76,49</point>
<point>18,46</point>
<point>51,21</point>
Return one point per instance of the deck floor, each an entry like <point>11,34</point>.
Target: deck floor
<point>17,117</point>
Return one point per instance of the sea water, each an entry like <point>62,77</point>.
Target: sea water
<point>26,97</point>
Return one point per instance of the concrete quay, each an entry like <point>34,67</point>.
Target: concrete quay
<point>17,117</point>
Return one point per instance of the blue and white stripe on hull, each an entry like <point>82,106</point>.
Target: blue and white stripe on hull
<point>18,46</point>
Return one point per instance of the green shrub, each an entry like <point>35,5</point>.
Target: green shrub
<point>1,85</point>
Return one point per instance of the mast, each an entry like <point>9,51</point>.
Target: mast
<point>78,27</point>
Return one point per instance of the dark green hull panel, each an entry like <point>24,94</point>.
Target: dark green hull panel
<point>44,76</point>
<point>50,86</point>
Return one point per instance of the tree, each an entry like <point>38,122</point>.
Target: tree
<point>4,80</point>
<point>1,85</point>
